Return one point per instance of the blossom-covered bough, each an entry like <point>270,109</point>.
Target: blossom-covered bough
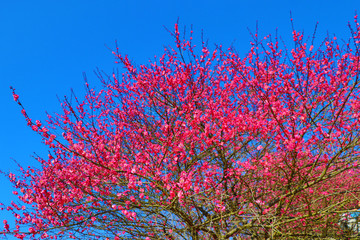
<point>205,145</point>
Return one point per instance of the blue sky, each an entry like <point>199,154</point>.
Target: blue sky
<point>45,46</point>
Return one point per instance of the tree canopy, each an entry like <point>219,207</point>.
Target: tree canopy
<point>203,144</point>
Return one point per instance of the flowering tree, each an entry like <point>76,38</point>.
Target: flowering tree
<point>203,146</point>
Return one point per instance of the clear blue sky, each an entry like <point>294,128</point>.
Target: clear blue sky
<point>46,45</point>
